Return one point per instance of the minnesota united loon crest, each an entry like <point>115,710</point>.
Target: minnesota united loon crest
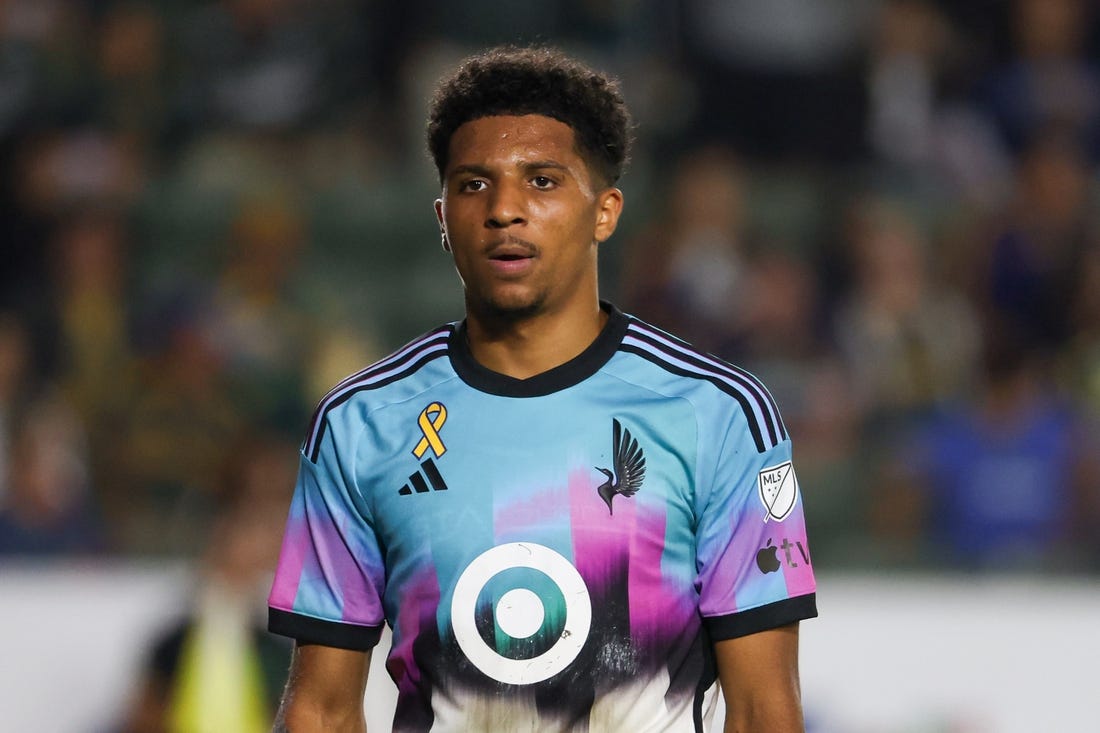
<point>629,467</point>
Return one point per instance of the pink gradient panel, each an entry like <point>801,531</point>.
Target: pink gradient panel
<point>288,572</point>
<point>664,603</point>
<point>534,511</point>
<point>596,550</point>
<point>800,579</point>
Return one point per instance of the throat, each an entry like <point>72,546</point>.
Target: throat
<point>526,347</point>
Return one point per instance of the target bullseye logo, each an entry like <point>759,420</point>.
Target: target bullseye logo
<point>522,614</point>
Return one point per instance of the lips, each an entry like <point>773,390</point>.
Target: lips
<point>511,248</point>
<point>511,256</point>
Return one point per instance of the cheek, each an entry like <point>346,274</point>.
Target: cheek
<point>456,217</point>
<point>582,226</point>
<point>570,219</point>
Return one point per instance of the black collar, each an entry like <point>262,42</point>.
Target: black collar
<point>574,371</point>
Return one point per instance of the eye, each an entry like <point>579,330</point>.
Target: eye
<point>474,184</point>
<point>543,182</point>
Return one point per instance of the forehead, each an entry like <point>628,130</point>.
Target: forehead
<point>515,139</point>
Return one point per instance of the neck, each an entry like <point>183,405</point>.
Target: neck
<point>522,348</point>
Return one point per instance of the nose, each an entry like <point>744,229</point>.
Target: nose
<point>506,206</point>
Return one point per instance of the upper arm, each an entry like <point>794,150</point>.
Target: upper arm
<point>324,690</point>
<point>330,577</point>
<point>759,678</point>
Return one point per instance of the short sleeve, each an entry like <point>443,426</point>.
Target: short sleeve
<point>329,581</point>
<point>754,565</point>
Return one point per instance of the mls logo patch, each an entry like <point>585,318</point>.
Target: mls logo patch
<point>778,490</point>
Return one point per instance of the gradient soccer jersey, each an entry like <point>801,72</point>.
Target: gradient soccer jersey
<point>556,553</point>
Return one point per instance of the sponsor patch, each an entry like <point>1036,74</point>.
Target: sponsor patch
<point>778,490</point>
<point>767,557</point>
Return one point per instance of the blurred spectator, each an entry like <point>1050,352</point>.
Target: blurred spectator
<point>131,88</point>
<point>1006,481</point>
<point>218,669</point>
<point>906,49</point>
<point>686,271</point>
<point>266,65</point>
<point>779,326</point>
<point>48,508</point>
<point>1034,270</point>
<point>42,44</point>
<point>260,324</point>
<point>177,432</point>
<point>20,62</point>
<point>779,79</point>
<point>1049,81</point>
<point>920,127</point>
<point>907,342</point>
<point>90,256</point>
<point>69,166</point>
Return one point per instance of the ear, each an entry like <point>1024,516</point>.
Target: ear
<point>609,205</point>
<point>442,225</point>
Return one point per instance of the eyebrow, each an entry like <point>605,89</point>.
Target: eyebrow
<point>543,164</point>
<point>481,170</point>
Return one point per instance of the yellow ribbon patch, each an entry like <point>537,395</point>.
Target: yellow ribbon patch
<point>430,427</point>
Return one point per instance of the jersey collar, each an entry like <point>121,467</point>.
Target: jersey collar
<point>574,371</point>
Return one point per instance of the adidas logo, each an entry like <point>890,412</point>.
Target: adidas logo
<point>419,485</point>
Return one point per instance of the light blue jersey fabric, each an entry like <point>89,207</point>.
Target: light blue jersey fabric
<point>555,553</point>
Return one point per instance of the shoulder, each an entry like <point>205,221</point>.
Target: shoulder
<point>407,371</point>
<point>676,368</point>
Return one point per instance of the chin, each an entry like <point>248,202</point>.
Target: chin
<point>508,309</point>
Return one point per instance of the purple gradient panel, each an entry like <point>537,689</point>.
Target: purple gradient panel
<point>336,573</point>
<point>354,558</point>
<point>732,582</point>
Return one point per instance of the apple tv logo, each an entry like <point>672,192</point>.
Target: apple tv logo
<point>767,557</point>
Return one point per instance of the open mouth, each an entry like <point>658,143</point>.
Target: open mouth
<point>511,257</point>
<point>511,263</point>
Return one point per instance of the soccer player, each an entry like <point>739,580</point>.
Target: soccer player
<point>570,520</point>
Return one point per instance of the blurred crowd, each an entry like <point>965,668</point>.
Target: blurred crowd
<point>212,211</point>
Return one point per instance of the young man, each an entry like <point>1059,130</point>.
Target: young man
<point>569,519</point>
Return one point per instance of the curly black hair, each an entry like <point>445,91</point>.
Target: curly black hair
<point>511,80</point>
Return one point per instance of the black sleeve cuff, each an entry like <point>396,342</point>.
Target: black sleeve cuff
<point>762,618</point>
<point>309,630</point>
